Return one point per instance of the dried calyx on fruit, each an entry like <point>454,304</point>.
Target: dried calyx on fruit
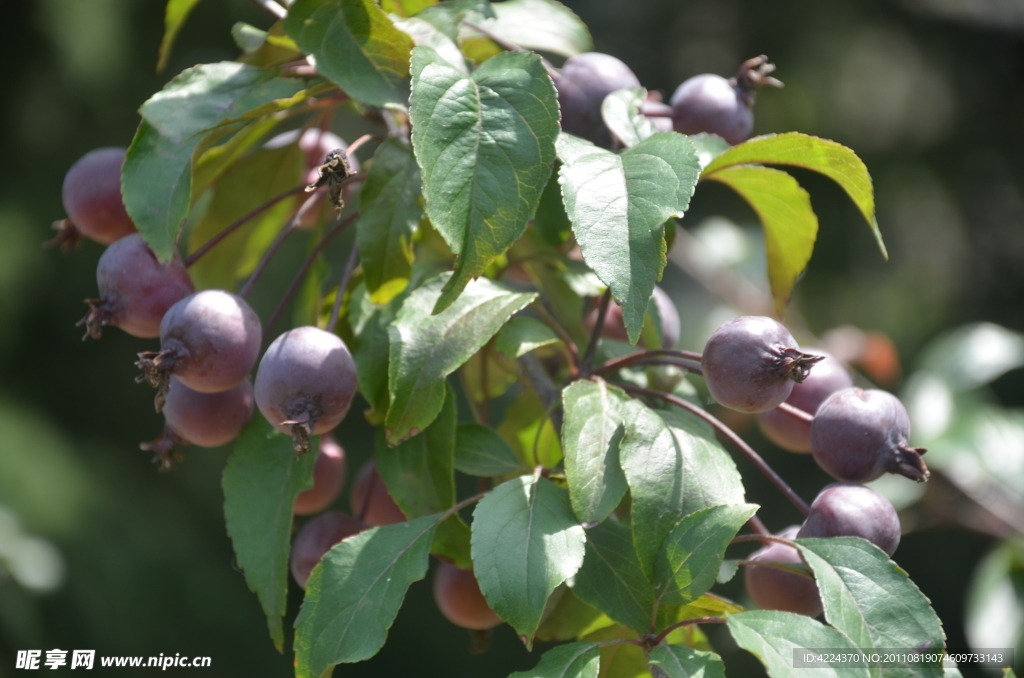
<point>751,363</point>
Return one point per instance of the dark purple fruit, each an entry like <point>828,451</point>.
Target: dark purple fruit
<point>92,196</point>
<point>751,362</point>
<point>586,79</point>
<point>659,114</point>
<point>316,538</point>
<point>774,589</point>
<point>328,479</point>
<point>209,340</point>
<point>858,435</point>
<point>794,434</point>
<point>852,510</point>
<point>135,289</point>
<point>458,596</point>
<point>710,103</point>
<point>305,383</point>
<point>615,327</point>
<point>370,500</point>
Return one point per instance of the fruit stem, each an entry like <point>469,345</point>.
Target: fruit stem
<point>680,624</point>
<point>685,359</point>
<point>306,265</point>
<point>602,312</point>
<point>760,463</point>
<point>209,244</point>
<point>350,264</point>
<point>570,345</point>
<point>796,413</point>
<point>510,46</point>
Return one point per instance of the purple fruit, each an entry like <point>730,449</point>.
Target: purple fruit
<point>585,80</point>
<point>458,596</point>
<point>376,508</point>
<point>751,362</point>
<point>209,340</point>
<point>794,434</point>
<point>858,435</point>
<point>135,289</point>
<point>92,196</point>
<point>660,115</point>
<point>305,383</point>
<point>851,510</point>
<point>710,103</point>
<point>328,479</point>
<point>773,589</point>
<point>316,538</point>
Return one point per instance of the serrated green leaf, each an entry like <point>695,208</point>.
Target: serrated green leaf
<point>426,348</point>
<point>522,335</point>
<point>709,147</point>
<point>620,111</point>
<point>261,480</point>
<point>674,467</point>
<point>213,159</point>
<point>526,542</point>
<point>247,37</point>
<point>619,660</point>
<point>406,7</point>
<point>277,49</point>
<point>174,18</point>
<point>355,45</point>
<point>835,161</point>
<point>790,225</point>
<point>708,605</point>
<point>485,143</point>
<point>872,600</point>
<point>543,25</point>
<point>574,660</point>
<point>447,16</point>
<point>243,187</point>
<point>551,221</point>
<point>480,451</point>
<point>425,34</point>
<point>355,592</point>
<point>569,618</point>
<point>611,579</point>
<point>528,429</point>
<point>370,346</point>
<point>679,661</point>
<point>389,211</point>
<point>689,560</point>
<point>772,636</point>
<point>591,433</point>
<point>618,205</point>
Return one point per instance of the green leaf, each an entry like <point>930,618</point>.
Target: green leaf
<point>575,660</point>
<point>708,605</point>
<point>389,211</point>
<point>872,600</point>
<point>525,543</point>
<point>835,161</point>
<point>543,25</point>
<point>355,592</point>
<point>591,434</point>
<point>551,221</point>
<point>618,205</point>
<point>772,636</point>
<point>447,16</point>
<point>619,660</point>
<point>174,18</point>
<point>480,451</point>
<point>528,429</point>
<point>674,467</point>
<point>568,618</point>
<point>355,45</point>
<point>406,7</point>
<point>261,480</point>
<point>522,335</point>
<point>689,559</point>
<point>973,355</point>
<point>790,225</point>
<point>248,37</point>
<point>611,579</point>
<point>425,34</point>
<point>621,113</point>
<point>486,143</point>
<point>995,600</point>
<point>370,346</point>
<point>709,147</point>
<point>213,159</point>
<point>426,348</point>
<point>679,661</point>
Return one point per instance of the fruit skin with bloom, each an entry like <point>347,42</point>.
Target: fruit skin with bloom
<point>328,479</point>
<point>457,594</point>
<point>852,510</point>
<point>92,196</point>
<point>774,589</point>
<point>316,538</point>
<point>208,419</point>
<point>585,80</point>
<point>380,508</point>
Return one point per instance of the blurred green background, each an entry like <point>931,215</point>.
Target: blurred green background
<point>98,551</point>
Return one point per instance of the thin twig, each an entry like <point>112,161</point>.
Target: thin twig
<point>760,463</point>
<point>570,346</point>
<point>686,622</point>
<point>595,336</point>
<point>796,413</point>
<point>301,275</point>
<point>643,358</point>
<point>209,244</point>
<point>272,7</point>
<point>350,265</point>
<point>761,538</point>
<point>354,146</point>
<point>269,254</point>
<point>511,46</point>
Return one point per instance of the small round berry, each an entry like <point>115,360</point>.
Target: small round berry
<point>751,362</point>
<point>774,589</point>
<point>92,196</point>
<point>328,479</point>
<point>585,80</point>
<point>208,419</point>
<point>316,538</point>
<point>458,596</point>
<point>852,510</point>
<point>378,508</point>
<point>857,435</point>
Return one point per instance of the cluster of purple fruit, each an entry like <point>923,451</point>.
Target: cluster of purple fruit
<point>753,365</point>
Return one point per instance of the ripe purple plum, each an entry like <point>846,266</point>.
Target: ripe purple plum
<point>316,538</point>
<point>328,479</point>
<point>750,364</point>
<point>852,510</point>
<point>586,79</point>
<point>458,596</point>
<point>209,340</point>
<point>791,433</point>
<point>857,435</point>
<point>370,499</point>
<point>135,289</point>
<point>774,589</point>
<point>92,197</point>
<point>305,383</point>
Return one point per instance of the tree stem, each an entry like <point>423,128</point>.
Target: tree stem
<point>350,265</point>
<point>796,413</point>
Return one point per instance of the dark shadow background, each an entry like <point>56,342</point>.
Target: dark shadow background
<point>929,93</point>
